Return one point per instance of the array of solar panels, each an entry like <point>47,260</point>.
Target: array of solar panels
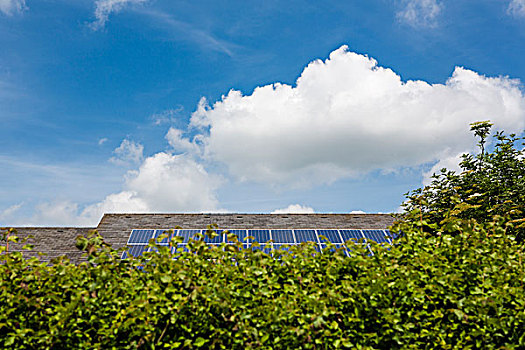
<point>269,240</point>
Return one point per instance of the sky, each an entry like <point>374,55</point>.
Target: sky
<point>240,106</point>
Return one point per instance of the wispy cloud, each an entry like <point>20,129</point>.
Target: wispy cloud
<point>420,13</point>
<point>516,8</point>
<point>189,32</point>
<point>103,8</point>
<point>7,214</point>
<point>167,116</point>
<point>11,7</point>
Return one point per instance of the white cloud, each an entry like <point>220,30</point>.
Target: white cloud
<point>7,214</point>
<point>102,141</point>
<point>10,7</point>
<point>294,209</point>
<point>516,8</point>
<point>181,144</point>
<point>129,152</point>
<point>179,30</point>
<point>347,116</point>
<point>59,213</point>
<point>357,212</point>
<point>103,8</point>
<point>449,162</point>
<point>167,116</point>
<point>163,183</point>
<point>420,13</point>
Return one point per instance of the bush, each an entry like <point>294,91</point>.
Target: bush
<point>428,291</point>
<point>490,184</point>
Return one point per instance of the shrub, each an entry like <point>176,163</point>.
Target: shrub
<point>428,291</point>
<point>490,184</point>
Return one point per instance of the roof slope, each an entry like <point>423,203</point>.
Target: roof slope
<point>52,241</point>
<point>116,228</point>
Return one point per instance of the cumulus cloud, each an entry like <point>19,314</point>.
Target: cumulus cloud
<point>294,209</point>
<point>129,152</point>
<point>10,7</point>
<point>347,116</point>
<point>103,8</point>
<point>449,162</point>
<point>516,8</point>
<point>163,183</point>
<point>59,213</point>
<point>420,13</point>
<point>181,144</point>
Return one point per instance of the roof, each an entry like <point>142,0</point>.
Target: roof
<point>116,228</point>
<point>52,241</point>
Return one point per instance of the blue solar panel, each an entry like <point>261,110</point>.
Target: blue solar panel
<point>186,234</point>
<point>283,247</point>
<point>334,248</point>
<point>165,240</point>
<point>137,250</point>
<point>140,236</point>
<point>241,235</point>
<point>348,235</point>
<point>266,248</point>
<point>391,235</point>
<point>260,236</point>
<point>219,237</point>
<point>305,236</point>
<point>139,239</point>
<point>331,235</point>
<point>283,236</point>
<point>375,235</point>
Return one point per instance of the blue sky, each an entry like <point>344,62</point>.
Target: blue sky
<point>239,106</point>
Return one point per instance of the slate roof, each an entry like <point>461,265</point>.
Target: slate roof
<point>115,228</point>
<point>52,241</point>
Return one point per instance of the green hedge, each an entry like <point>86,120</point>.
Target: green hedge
<point>428,291</point>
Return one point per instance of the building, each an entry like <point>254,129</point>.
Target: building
<point>116,228</point>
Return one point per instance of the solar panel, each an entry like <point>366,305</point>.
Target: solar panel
<point>332,236</point>
<point>139,238</point>
<point>186,234</point>
<point>375,235</point>
<point>283,247</point>
<point>283,237</point>
<point>137,250</point>
<point>217,239</point>
<point>260,236</point>
<point>241,236</point>
<point>266,248</point>
<point>165,240</point>
<point>305,236</point>
<point>334,248</point>
<point>348,235</point>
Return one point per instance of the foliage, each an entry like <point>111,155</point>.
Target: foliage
<point>490,184</point>
<point>426,292</point>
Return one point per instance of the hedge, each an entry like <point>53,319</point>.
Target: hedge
<point>426,292</point>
